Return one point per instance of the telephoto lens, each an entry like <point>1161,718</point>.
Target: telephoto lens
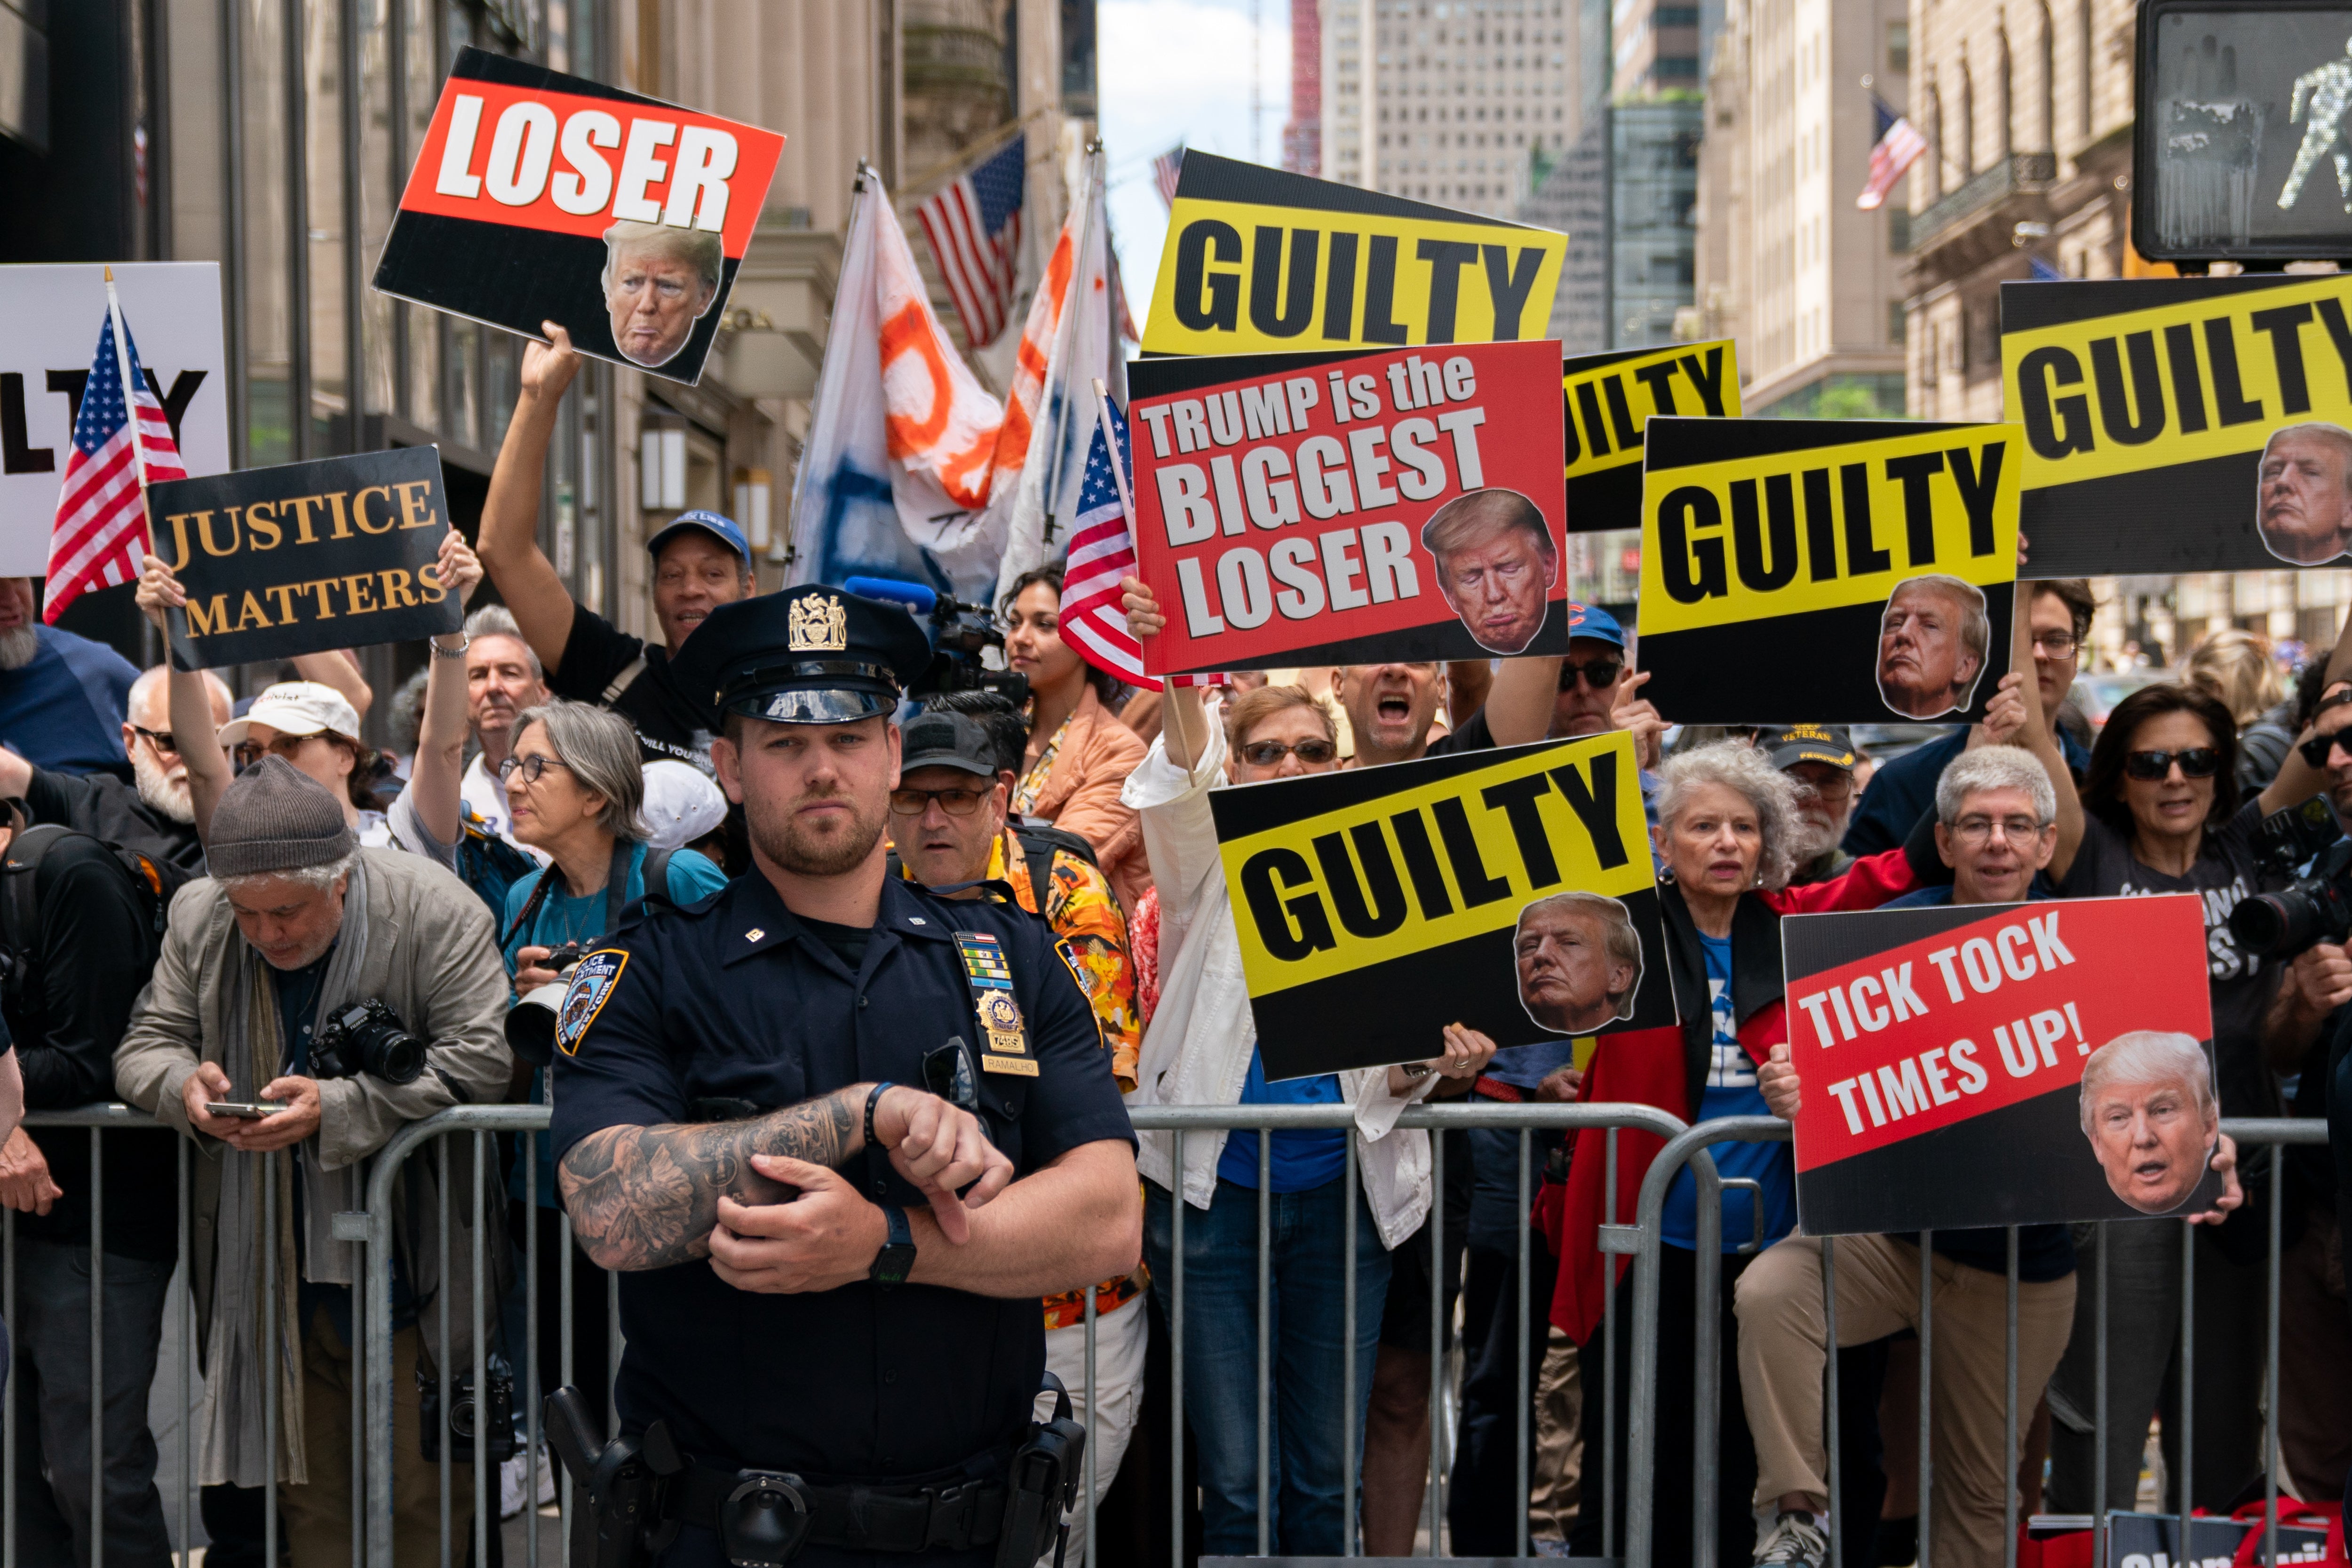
<point>531,1022</point>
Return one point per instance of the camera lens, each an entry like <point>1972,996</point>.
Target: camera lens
<point>395,1057</point>
<point>2270,923</point>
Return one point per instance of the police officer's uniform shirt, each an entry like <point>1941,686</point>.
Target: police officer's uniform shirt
<point>735,998</point>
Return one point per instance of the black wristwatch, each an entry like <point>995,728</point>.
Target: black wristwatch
<point>896,1259</point>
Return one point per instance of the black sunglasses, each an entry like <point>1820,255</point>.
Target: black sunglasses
<point>2196,763</point>
<point>1266,753</point>
<point>2319,747</point>
<point>162,738</point>
<point>1600,674</point>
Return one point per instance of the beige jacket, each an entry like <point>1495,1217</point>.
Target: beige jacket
<point>433,957</point>
<point>1082,795</point>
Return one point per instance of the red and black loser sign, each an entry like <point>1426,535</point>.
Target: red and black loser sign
<point>538,197</point>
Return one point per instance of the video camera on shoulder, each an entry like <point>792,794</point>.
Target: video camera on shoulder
<point>960,634</point>
<point>2311,909</point>
<point>366,1037</point>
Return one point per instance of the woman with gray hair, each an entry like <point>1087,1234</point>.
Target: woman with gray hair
<point>575,781</point>
<point>1727,825</point>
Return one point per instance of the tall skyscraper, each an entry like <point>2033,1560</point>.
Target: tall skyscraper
<point>1302,133</point>
<point>1458,102</point>
<point>1811,284</point>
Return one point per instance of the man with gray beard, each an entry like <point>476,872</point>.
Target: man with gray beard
<point>1820,759</point>
<point>62,697</point>
<point>154,814</point>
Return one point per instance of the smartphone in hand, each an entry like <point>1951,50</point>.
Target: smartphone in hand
<point>243,1110</point>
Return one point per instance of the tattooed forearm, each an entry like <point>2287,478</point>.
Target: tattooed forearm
<point>647,1197</point>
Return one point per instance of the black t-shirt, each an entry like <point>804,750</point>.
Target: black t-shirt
<point>671,723</point>
<point>1472,735</point>
<point>93,952</point>
<point>105,807</point>
<point>2242,984</point>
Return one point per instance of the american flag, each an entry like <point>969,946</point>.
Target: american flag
<point>1898,147</point>
<point>974,227</point>
<point>1102,551</point>
<point>99,537</point>
<point>1165,169</point>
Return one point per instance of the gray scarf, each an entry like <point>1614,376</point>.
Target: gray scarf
<point>254,1050</point>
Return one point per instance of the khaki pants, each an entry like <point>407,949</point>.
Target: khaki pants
<point>1560,1442</point>
<point>1783,1334</point>
<point>318,1517</point>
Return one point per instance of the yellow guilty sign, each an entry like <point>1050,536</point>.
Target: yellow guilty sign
<point>1609,397</point>
<point>1748,537</point>
<point>2209,372</point>
<point>1257,261</point>
<point>1429,864</point>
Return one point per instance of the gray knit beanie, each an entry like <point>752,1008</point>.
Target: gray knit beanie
<point>273,817</point>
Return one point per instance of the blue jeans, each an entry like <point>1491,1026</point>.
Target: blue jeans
<point>1306,1479</point>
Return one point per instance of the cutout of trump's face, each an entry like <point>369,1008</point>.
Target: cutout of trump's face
<point>655,297</point>
<point>2154,1134</point>
<point>1579,962</point>
<point>1495,566</point>
<point>1928,649</point>
<point>2304,511</point>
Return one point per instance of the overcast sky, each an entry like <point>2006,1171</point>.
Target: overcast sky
<point>1178,71</point>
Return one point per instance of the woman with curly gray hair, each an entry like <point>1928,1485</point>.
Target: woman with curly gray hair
<point>1725,837</point>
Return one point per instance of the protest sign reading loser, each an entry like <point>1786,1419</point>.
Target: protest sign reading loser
<point>340,553</point>
<point>1608,400</point>
<point>1305,509</point>
<point>1878,553</point>
<point>2182,425</point>
<point>1258,259</point>
<point>1509,890</point>
<point>539,197</point>
<point>1943,1055</point>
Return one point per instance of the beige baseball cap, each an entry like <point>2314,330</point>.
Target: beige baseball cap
<point>295,708</point>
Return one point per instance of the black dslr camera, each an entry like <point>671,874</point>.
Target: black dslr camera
<point>467,1417</point>
<point>2313,909</point>
<point>366,1037</point>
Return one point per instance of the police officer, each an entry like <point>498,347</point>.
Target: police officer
<point>824,1343</point>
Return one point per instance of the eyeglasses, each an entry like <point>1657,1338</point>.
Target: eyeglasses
<point>954,802</point>
<point>2319,747</point>
<point>1832,790</point>
<point>1269,753</point>
<point>248,753</point>
<point>529,767</point>
<point>1977,831</point>
<point>159,739</point>
<point>1600,674</point>
<point>2057,645</point>
<point>2197,763</point>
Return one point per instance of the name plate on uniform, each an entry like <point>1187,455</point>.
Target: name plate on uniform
<point>1004,1041</point>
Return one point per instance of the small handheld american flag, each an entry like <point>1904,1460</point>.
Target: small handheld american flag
<point>1102,551</point>
<point>1166,169</point>
<point>974,227</point>
<point>1897,147</point>
<point>99,537</point>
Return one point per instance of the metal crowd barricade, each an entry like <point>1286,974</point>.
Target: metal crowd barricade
<point>1689,1148</point>
<point>374,1392</point>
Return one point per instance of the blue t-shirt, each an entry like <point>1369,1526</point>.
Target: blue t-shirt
<point>64,710</point>
<point>563,918</point>
<point>1731,1091</point>
<point>1303,1159</point>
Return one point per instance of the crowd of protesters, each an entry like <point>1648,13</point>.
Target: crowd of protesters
<point>219,886</point>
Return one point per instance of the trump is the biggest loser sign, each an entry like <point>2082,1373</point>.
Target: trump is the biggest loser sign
<point>539,197</point>
<point>1314,509</point>
<point>2000,1064</point>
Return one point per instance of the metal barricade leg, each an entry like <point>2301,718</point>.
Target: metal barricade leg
<point>1830,1399</point>
<point>1706,1369</point>
<point>2186,1442</point>
<point>97,1353</point>
<point>273,1354</point>
<point>1608,1365</point>
<point>1519,1319</point>
<point>1434,1504</point>
<point>1265,1343</point>
<point>485,1499</point>
<point>2099,1421</point>
<point>2271,1370</point>
<point>530,1394</point>
<point>1926,1364</point>
<point>1349,1422</point>
<point>2009,1414</point>
<point>1176,1360</point>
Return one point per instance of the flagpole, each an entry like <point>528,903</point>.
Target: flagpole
<point>1065,332</point>
<point>1111,445</point>
<point>129,404</point>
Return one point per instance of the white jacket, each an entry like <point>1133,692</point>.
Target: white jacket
<point>1196,1049</point>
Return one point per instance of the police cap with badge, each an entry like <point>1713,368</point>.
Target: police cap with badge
<point>812,654</point>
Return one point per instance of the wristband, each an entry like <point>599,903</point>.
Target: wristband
<point>873,1098</point>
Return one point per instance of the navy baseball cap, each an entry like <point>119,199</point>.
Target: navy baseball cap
<point>1592,621</point>
<point>722,529</point>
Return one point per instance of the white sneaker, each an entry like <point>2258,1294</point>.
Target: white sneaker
<point>512,1473</point>
<point>1796,1541</point>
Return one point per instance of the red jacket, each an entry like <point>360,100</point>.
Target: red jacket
<point>1646,1067</point>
